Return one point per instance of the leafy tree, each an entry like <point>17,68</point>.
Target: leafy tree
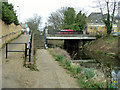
<point>69,18</point>
<point>66,18</point>
<point>80,21</point>
<point>8,14</point>
<point>73,21</point>
<point>16,20</point>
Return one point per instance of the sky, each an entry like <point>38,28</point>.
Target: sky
<point>26,8</point>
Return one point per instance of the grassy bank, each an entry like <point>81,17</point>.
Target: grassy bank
<point>105,50</point>
<point>86,77</point>
<point>106,45</point>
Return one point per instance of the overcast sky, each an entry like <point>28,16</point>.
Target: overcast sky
<point>44,7</point>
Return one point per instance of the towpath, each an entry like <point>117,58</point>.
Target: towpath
<point>50,74</point>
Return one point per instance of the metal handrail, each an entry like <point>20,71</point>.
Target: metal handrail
<point>8,34</point>
<point>29,46</point>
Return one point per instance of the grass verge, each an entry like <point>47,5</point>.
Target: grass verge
<point>84,76</point>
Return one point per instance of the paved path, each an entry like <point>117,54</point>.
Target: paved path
<point>14,75</point>
<point>51,75</point>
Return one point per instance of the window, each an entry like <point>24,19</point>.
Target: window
<point>91,28</point>
<point>95,28</point>
<point>91,21</point>
<point>96,21</point>
<point>91,33</point>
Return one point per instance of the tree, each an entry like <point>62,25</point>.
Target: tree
<point>66,18</point>
<point>8,14</point>
<point>34,22</point>
<point>81,21</point>
<point>56,19</point>
<point>110,9</point>
<point>69,18</point>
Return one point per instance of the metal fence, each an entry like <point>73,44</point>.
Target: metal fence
<point>29,47</point>
<point>27,50</point>
<point>67,34</point>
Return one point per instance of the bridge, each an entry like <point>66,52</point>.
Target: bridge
<point>69,37</point>
<point>74,39</point>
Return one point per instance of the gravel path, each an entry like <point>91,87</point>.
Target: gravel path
<point>14,75</point>
<point>51,75</point>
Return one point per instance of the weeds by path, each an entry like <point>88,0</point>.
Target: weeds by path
<point>84,75</point>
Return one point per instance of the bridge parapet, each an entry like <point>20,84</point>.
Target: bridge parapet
<point>68,35</point>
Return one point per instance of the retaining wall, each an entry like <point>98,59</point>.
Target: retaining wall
<point>8,32</point>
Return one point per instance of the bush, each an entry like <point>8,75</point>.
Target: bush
<point>8,14</point>
<point>68,65</point>
<point>78,70</point>
<point>59,58</point>
<point>88,73</point>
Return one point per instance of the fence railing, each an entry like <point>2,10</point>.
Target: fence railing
<point>29,47</point>
<point>67,34</point>
<point>7,34</point>
<point>27,51</point>
<point>7,37</point>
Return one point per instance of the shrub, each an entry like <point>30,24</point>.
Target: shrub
<point>68,65</point>
<point>78,70</point>
<point>88,73</point>
<point>59,58</point>
<point>8,14</point>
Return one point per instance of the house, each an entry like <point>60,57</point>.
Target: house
<point>95,24</point>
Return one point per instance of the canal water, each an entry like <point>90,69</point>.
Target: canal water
<point>97,63</point>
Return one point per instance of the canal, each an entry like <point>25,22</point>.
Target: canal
<point>106,64</point>
<point>109,66</point>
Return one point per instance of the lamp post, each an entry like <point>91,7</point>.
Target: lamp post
<point>19,13</point>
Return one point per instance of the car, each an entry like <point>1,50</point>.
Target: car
<point>116,33</point>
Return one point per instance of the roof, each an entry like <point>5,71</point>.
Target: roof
<point>95,17</point>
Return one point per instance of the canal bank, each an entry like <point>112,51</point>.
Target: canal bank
<point>105,51</point>
<point>100,55</point>
<point>86,77</point>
